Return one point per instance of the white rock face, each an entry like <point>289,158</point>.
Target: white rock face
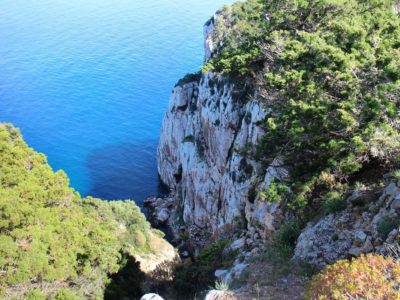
<point>215,32</point>
<point>206,130</point>
<point>151,297</point>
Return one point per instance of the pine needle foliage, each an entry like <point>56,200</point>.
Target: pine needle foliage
<point>328,72</point>
<point>49,234</point>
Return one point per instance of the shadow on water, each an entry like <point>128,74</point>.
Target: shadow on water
<point>124,171</point>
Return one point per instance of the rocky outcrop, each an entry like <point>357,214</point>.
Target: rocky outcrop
<point>215,31</point>
<point>161,253</point>
<point>368,224</point>
<point>210,124</point>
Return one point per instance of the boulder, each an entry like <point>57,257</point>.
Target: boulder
<point>221,274</point>
<point>162,215</point>
<point>238,244</point>
<point>151,296</point>
<point>238,269</point>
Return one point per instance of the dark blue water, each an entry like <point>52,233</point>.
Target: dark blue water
<point>88,82</point>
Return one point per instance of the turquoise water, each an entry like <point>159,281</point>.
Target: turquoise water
<point>88,82</point>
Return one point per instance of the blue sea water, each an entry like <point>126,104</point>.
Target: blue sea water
<point>88,82</point>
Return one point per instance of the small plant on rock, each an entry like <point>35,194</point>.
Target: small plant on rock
<point>334,203</point>
<point>221,285</point>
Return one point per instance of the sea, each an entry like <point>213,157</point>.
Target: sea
<point>88,82</point>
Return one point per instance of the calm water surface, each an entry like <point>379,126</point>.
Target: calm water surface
<point>88,82</point>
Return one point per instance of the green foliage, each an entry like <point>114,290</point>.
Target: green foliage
<point>188,78</point>
<point>221,286</point>
<point>386,225</point>
<point>65,294</point>
<point>48,233</point>
<point>240,38</point>
<point>330,74</point>
<point>281,248</point>
<point>276,192</point>
<point>285,238</point>
<point>334,202</point>
<point>199,275</point>
<point>279,254</point>
<point>396,174</point>
<point>35,295</point>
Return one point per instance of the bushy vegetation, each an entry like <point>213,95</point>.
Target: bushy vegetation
<point>278,253</point>
<point>50,237</point>
<point>386,225</point>
<point>333,202</point>
<point>367,277</point>
<point>329,73</point>
<point>276,192</point>
<point>281,248</point>
<point>199,275</point>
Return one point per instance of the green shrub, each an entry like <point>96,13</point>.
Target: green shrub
<point>193,278</point>
<point>35,295</point>
<point>396,174</point>
<point>287,235</point>
<point>331,70</point>
<point>126,284</point>
<point>281,248</point>
<point>334,202</point>
<point>65,294</point>
<point>188,78</point>
<point>221,286</point>
<point>276,192</point>
<point>386,225</point>
<point>278,253</point>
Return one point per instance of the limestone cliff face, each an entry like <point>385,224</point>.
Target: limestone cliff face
<point>209,124</point>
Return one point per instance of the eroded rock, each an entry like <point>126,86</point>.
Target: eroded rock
<point>353,231</point>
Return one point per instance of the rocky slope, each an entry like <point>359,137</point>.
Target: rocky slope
<point>368,224</point>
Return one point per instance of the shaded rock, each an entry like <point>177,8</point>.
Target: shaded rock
<point>162,215</point>
<point>221,274</point>
<point>356,251</point>
<point>238,244</point>
<point>360,236</point>
<point>392,236</point>
<point>368,247</point>
<point>165,254</point>
<point>238,269</point>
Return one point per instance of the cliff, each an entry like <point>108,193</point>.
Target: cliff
<point>275,145</point>
<point>209,124</point>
